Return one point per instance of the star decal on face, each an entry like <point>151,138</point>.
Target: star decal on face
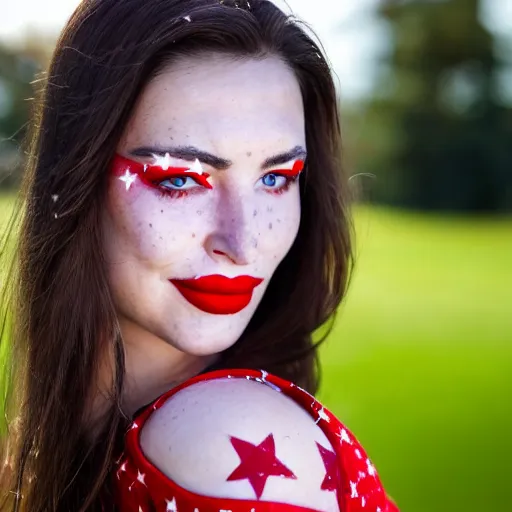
<point>196,167</point>
<point>128,178</point>
<point>258,463</point>
<point>331,479</point>
<point>162,161</point>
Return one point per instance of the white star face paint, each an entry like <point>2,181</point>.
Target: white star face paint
<point>128,179</point>
<point>194,234</point>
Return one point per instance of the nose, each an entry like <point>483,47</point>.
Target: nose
<point>234,234</point>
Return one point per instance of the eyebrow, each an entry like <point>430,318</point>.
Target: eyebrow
<point>190,153</point>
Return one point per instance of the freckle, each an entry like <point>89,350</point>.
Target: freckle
<point>279,221</point>
<point>249,153</point>
<point>160,238</point>
<point>269,209</point>
<point>199,212</point>
<point>193,235</point>
<point>270,226</point>
<point>150,225</point>
<point>255,242</point>
<point>153,245</point>
<point>254,213</point>
<point>161,211</point>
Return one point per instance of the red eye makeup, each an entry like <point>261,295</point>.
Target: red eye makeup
<point>297,168</point>
<point>284,176</point>
<point>154,174</point>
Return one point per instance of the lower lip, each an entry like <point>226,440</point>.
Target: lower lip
<point>213,302</point>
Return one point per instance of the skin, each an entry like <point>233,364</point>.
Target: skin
<point>244,111</point>
<point>194,450</point>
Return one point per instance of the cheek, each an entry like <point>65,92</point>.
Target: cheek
<point>279,225</point>
<point>150,227</point>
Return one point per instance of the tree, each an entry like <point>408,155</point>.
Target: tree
<point>438,136</point>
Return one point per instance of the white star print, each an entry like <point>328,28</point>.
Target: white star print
<point>140,509</point>
<point>128,178</point>
<point>358,454</point>
<point>353,490</point>
<point>162,161</point>
<point>121,469</point>
<point>140,477</point>
<point>171,506</point>
<point>322,416</point>
<point>135,425</point>
<point>371,468</point>
<point>55,198</point>
<point>363,502</point>
<point>344,436</point>
<point>196,167</point>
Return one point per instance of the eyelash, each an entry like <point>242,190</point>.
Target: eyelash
<point>177,193</point>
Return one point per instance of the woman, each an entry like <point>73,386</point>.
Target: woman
<point>183,209</point>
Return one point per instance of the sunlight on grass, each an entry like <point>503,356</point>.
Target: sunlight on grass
<point>419,363</point>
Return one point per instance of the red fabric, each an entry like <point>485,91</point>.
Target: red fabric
<point>140,487</point>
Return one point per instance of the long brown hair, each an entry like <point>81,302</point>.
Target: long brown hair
<point>61,317</point>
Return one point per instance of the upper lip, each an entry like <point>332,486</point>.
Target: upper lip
<point>220,285</point>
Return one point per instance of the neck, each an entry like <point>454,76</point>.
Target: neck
<point>153,367</point>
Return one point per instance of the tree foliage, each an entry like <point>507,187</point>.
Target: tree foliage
<point>437,133</point>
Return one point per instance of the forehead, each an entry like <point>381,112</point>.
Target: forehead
<point>206,99</point>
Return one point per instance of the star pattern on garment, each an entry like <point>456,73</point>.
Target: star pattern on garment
<point>128,178</point>
<point>331,479</point>
<point>140,477</point>
<point>258,463</point>
<point>139,487</point>
<point>322,415</point>
<point>171,505</point>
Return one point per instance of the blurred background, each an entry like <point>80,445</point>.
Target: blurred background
<point>419,365</point>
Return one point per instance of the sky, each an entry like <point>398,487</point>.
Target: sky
<point>350,33</point>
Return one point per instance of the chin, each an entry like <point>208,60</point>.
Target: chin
<point>205,342</point>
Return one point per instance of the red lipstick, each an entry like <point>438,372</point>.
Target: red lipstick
<point>216,294</point>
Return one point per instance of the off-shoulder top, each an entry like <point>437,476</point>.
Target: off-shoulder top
<point>139,486</point>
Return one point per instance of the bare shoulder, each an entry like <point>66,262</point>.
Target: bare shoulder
<point>208,437</point>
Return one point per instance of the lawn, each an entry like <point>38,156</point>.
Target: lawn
<point>419,364</point>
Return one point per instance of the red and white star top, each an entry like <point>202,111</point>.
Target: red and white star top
<point>139,486</point>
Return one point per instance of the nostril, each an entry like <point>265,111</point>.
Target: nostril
<point>219,252</point>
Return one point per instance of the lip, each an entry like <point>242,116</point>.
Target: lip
<point>216,294</point>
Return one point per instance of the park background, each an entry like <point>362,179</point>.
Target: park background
<point>419,364</point>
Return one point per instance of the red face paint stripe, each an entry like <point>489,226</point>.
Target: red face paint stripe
<point>297,168</point>
<point>153,174</point>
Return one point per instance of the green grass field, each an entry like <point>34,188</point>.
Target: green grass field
<point>419,364</point>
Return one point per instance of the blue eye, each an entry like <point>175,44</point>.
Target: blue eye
<point>179,183</point>
<point>269,180</point>
<point>272,180</point>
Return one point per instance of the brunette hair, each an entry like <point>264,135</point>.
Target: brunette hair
<point>61,317</point>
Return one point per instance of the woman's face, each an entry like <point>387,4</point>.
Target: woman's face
<point>196,220</point>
